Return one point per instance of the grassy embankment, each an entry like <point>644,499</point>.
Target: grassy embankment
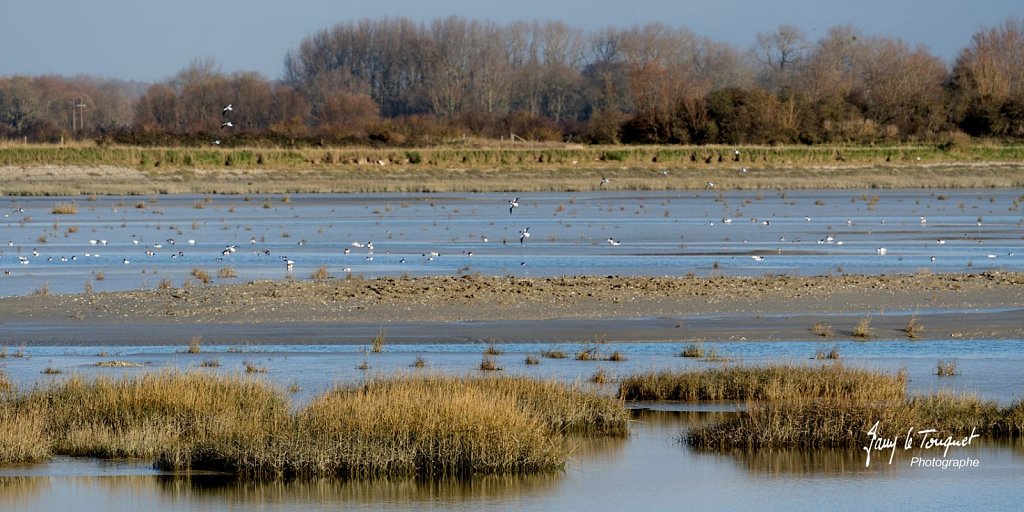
<point>425,426</point>
<point>828,406</point>
<point>89,169</point>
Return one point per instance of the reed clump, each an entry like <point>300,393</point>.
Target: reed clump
<point>863,329</point>
<point>64,209</point>
<point>143,416</point>
<point>423,426</point>
<point>830,422</point>
<point>762,383</point>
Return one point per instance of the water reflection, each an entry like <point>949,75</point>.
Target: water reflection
<point>406,491</point>
<point>17,492</point>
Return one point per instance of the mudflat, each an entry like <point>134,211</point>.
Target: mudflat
<point>476,308</point>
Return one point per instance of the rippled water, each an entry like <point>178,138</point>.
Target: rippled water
<point>658,233</point>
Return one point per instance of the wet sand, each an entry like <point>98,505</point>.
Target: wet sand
<point>508,309</point>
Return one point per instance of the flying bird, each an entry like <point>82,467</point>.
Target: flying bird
<point>227,108</point>
<point>605,181</point>
<point>227,124</point>
<point>512,204</point>
<point>523,235</point>
<point>708,185</point>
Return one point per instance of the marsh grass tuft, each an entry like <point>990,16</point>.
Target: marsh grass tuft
<point>553,354</point>
<point>762,382</point>
<point>914,328</point>
<point>822,329</point>
<point>841,422</point>
<point>693,350</point>
<point>946,369</point>
<point>195,344</point>
<point>599,377</point>
<point>487,363</point>
<point>831,355</point>
<point>532,360</point>
<point>863,329</point>
<point>251,367</point>
<point>419,362</point>
<point>320,274</point>
<point>202,275</point>
<point>492,350</point>
<point>227,273</point>
<point>377,344</point>
<point>64,209</point>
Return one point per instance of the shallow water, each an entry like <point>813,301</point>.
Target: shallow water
<point>659,233</point>
<point>650,470</point>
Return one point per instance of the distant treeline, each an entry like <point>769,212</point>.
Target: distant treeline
<point>399,82</point>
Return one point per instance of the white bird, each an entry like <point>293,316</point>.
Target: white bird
<point>940,242</point>
<point>523,235</point>
<point>227,124</point>
<point>605,181</point>
<point>512,204</point>
<point>227,108</point>
<point>923,220</point>
<point>125,261</point>
<point>708,185</point>
<point>882,251</point>
<point>216,142</point>
<point>614,242</point>
<point>757,257</point>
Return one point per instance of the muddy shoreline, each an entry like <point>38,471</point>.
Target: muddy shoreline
<point>480,309</point>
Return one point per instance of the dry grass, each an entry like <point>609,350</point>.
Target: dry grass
<point>64,209</point>
<point>419,362</point>
<point>492,350</point>
<point>424,426</point>
<point>863,329</point>
<point>693,350</point>
<point>843,422</point>
<point>531,360</point>
<point>822,329</point>
<point>488,364</point>
<point>762,383</point>
<point>195,344</point>
<point>119,364</point>
<point>377,344</point>
<point>832,355</point>
<point>202,275</point>
<point>553,354</point>
<point>600,377</point>
<point>914,328</point>
<point>227,273</point>
<point>552,167</point>
<point>251,367</point>
<point>320,274</point>
<point>947,369</point>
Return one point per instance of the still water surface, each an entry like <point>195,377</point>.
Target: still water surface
<point>650,470</point>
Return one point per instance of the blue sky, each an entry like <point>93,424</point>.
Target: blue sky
<point>148,40</point>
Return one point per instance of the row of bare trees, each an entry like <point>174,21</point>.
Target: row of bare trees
<point>398,81</point>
